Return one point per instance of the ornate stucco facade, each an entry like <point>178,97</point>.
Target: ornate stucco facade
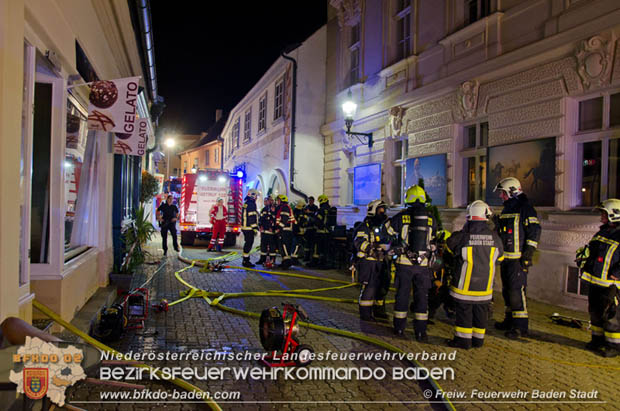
<point>522,70</point>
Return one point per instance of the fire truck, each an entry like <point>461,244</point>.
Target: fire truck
<point>199,192</point>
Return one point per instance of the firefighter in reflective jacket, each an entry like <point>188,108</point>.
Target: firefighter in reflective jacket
<point>266,225</point>
<point>371,242</point>
<point>249,225</point>
<point>473,253</point>
<point>519,229</point>
<point>284,226</point>
<point>600,266</point>
<point>299,231</point>
<point>319,256</point>
<point>414,229</point>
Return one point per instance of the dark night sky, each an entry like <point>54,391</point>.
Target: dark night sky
<point>209,54</point>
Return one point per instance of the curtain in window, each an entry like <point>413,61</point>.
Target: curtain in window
<point>85,226</point>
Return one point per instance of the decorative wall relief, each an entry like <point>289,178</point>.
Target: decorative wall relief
<point>349,11</point>
<point>396,120</point>
<point>594,58</point>
<point>467,96</point>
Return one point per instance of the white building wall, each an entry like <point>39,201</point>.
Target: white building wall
<point>266,155</point>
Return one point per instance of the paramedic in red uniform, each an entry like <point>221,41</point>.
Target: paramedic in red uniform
<point>219,216</point>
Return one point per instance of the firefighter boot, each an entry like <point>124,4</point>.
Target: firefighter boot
<point>247,262</point>
<point>421,337</point>
<point>379,311</point>
<point>503,325</point>
<point>515,333</point>
<point>261,260</point>
<point>457,342</point>
<point>596,343</point>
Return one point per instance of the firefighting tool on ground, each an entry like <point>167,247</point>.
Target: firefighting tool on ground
<point>136,305</point>
<point>569,321</point>
<point>162,306</point>
<point>279,331</point>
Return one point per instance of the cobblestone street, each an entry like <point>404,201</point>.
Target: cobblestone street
<point>553,358</point>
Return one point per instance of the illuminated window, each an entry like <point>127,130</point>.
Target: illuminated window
<point>278,102</point>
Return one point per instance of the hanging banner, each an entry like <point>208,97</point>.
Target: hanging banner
<point>113,105</point>
<point>133,144</point>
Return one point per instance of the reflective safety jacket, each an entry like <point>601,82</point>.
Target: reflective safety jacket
<point>368,236</point>
<point>415,228</point>
<point>604,259</point>
<point>321,218</point>
<point>301,220</point>
<point>473,252</point>
<point>284,217</point>
<point>249,217</point>
<point>518,227</point>
<point>267,219</point>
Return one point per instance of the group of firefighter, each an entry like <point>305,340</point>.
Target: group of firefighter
<point>296,233</point>
<point>458,269</point>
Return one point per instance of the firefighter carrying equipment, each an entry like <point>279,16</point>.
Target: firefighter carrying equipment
<point>510,186</point>
<point>414,194</point>
<point>478,210</point>
<point>612,207</point>
<point>473,254</point>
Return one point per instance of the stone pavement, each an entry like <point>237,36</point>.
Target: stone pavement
<point>553,358</point>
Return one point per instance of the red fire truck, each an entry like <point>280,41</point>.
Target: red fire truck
<point>199,193</point>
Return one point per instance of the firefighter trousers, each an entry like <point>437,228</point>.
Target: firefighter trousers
<point>369,276</point>
<point>320,248</point>
<point>286,242</point>
<point>172,228</point>
<point>514,285</point>
<point>298,246</point>
<point>267,245</point>
<point>248,237</point>
<point>310,237</point>
<point>218,234</point>
<point>471,323</point>
<point>605,330</point>
<point>420,278</point>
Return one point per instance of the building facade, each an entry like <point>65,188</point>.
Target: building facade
<point>56,241</point>
<point>206,151</point>
<point>463,93</point>
<point>258,133</point>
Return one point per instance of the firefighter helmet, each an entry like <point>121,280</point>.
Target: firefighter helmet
<point>415,193</point>
<point>478,210</point>
<point>373,206</point>
<point>300,204</point>
<point>510,186</point>
<point>612,207</point>
<point>283,198</point>
<point>323,199</point>
<point>253,193</point>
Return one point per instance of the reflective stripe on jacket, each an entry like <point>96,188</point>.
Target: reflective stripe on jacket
<point>604,258</point>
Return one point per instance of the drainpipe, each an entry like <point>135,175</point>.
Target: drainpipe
<point>293,124</point>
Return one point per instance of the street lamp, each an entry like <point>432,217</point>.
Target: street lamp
<point>169,143</point>
<point>348,110</point>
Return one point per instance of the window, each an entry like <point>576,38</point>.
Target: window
<point>278,101</point>
<point>598,149</point>
<point>401,152</point>
<point>475,140</point>
<point>216,158</point>
<point>591,114</point>
<point>195,165</point>
<point>403,29</point>
<point>247,126</point>
<point>574,284</point>
<point>185,166</point>
<point>476,9</point>
<point>207,158</point>
<point>354,54</point>
<point>262,113</point>
<point>236,133</point>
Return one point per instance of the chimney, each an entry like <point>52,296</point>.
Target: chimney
<point>218,114</point>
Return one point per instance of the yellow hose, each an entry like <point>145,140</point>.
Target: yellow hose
<point>53,316</point>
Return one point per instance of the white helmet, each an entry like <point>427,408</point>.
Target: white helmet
<point>253,193</point>
<point>510,186</point>
<point>478,210</point>
<point>373,206</point>
<point>612,207</point>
